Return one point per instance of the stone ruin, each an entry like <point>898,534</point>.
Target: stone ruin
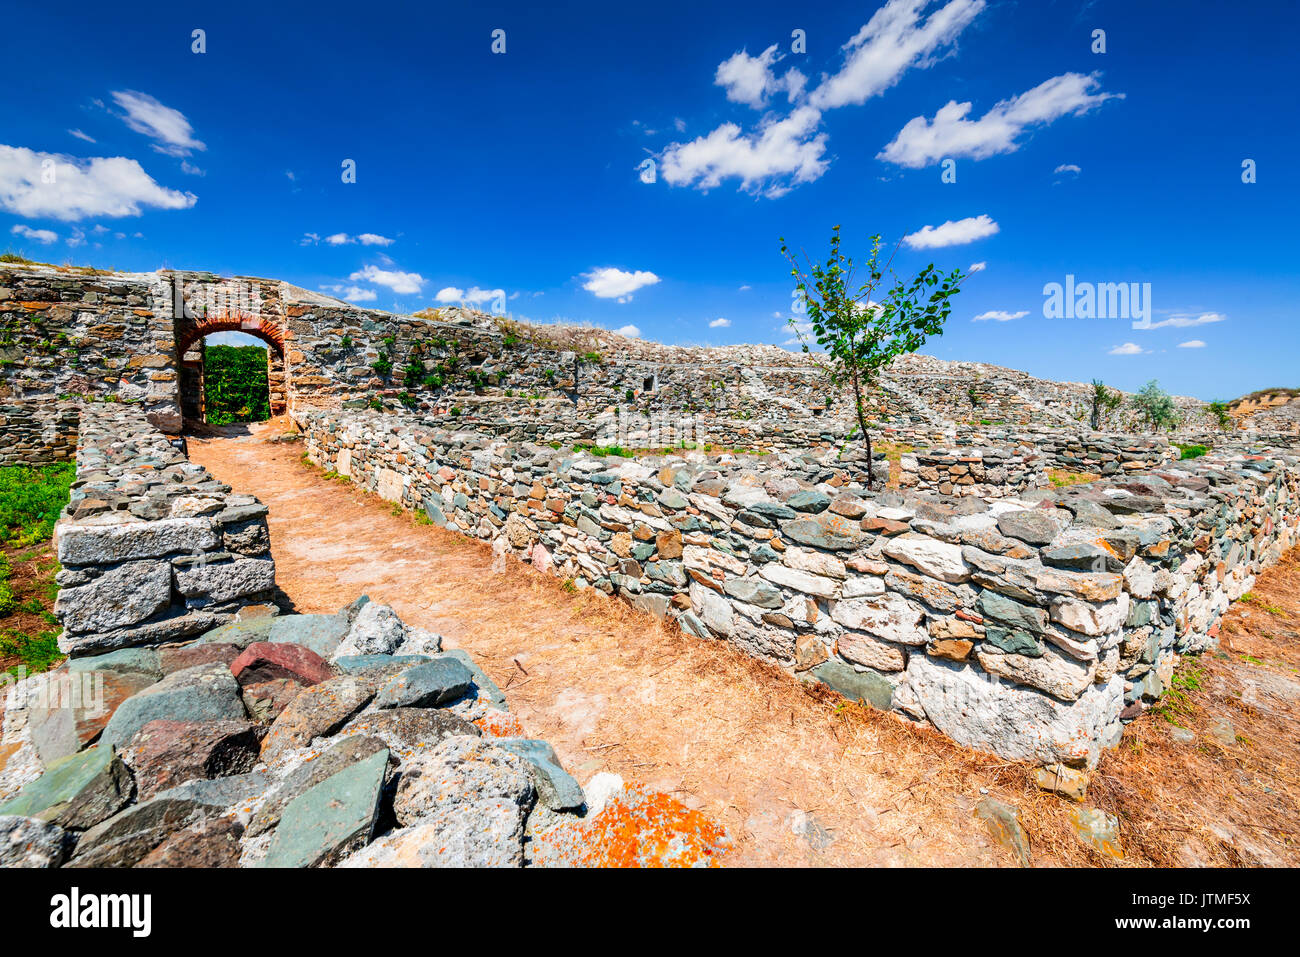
<point>971,589</point>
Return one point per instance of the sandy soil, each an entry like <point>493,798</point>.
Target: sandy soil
<point>797,777</point>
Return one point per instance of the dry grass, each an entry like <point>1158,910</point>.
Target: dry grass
<point>616,690</point>
<point>1063,478</point>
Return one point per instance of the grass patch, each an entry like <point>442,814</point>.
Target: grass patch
<point>31,500</point>
<point>1064,478</point>
<point>1191,451</point>
<point>1176,703</point>
<point>1262,605</point>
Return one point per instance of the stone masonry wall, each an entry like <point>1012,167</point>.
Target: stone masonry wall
<point>37,431</point>
<point>1031,627</point>
<point>153,548</point>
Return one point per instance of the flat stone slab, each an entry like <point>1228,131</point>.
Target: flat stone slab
<point>426,685</point>
<point>78,791</point>
<point>309,774</point>
<point>317,711</point>
<point>321,633</point>
<point>331,819</point>
<point>203,693</point>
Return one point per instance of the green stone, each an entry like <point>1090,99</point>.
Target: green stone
<point>332,818</point>
<point>865,686</point>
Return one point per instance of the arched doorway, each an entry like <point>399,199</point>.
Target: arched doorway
<point>197,380</point>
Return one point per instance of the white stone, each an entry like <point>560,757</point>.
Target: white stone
<point>1011,721</point>
<point>890,616</point>
<point>819,563</point>
<point>800,581</point>
<point>941,560</point>
<point>1088,618</point>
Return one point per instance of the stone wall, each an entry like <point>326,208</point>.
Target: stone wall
<point>986,472</point>
<point>38,432</point>
<point>1031,627</point>
<point>153,548</point>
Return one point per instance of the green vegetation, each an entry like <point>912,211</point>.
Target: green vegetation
<point>1156,407</point>
<point>234,384</point>
<point>1219,409</point>
<point>9,256</point>
<point>603,450</point>
<point>1104,401</point>
<point>1191,451</point>
<point>31,500</point>
<point>1176,703</point>
<point>859,332</point>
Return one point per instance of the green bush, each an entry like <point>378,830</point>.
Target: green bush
<point>235,387</point>
<point>31,500</point>
<point>1191,451</point>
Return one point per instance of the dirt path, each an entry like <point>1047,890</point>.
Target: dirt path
<point>797,779</point>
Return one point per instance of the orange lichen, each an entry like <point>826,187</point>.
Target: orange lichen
<point>500,724</point>
<point>636,829</point>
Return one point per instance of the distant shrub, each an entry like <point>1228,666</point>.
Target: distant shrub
<point>1191,451</point>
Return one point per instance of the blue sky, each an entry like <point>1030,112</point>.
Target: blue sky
<point>520,172</point>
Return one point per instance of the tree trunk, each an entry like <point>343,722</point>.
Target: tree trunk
<point>862,424</point>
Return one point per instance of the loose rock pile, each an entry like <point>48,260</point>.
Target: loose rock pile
<point>348,740</point>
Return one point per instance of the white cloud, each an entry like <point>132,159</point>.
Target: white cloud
<point>977,267</point>
<point>1127,349</point>
<point>78,238</point>
<point>610,282</point>
<point>101,186</point>
<point>309,239</point>
<point>789,147</point>
<point>630,331</point>
<point>403,283</point>
<point>952,233</point>
<point>952,134</point>
<point>1181,321</point>
<point>720,323</point>
<point>999,315</point>
<point>474,296</point>
<point>365,239</point>
<point>784,152</point>
<point>1068,168</point>
<point>891,42</point>
<point>1192,344</point>
<point>170,130</point>
<point>82,136</point>
<point>45,236</point>
<point>191,170</point>
<point>352,293</point>
<point>745,288</point>
<point>750,79</point>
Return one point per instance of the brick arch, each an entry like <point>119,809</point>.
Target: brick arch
<point>265,329</point>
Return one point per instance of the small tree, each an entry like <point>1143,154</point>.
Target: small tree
<point>1156,407</point>
<point>1104,401</point>
<point>857,336</point>
<point>1219,409</point>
